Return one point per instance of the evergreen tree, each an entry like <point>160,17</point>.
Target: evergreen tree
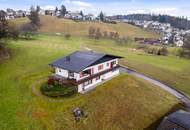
<point>101,16</point>
<point>56,9</point>
<point>81,13</point>
<point>63,10</point>
<point>3,25</point>
<point>38,9</point>
<point>34,16</point>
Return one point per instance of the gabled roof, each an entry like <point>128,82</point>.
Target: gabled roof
<point>80,60</point>
<point>181,118</point>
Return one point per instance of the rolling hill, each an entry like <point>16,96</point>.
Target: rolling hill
<point>50,24</point>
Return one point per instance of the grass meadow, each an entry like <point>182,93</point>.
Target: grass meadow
<point>123,103</point>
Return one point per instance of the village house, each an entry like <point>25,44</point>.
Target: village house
<point>42,12</point>
<point>74,16</point>
<point>89,17</point>
<point>20,13</point>
<point>10,14</point>
<point>50,12</point>
<point>86,69</point>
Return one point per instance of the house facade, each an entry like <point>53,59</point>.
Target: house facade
<point>86,69</point>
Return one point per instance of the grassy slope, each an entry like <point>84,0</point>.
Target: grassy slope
<point>51,24</point>
<point>123,103</point>
<point>171,70</point>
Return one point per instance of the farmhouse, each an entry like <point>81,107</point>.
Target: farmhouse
<point>86,69</point>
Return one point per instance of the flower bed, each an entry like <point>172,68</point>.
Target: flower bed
<point>57,89</point>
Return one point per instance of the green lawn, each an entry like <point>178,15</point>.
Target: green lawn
<point>123,103</point>
<point>171,70</point>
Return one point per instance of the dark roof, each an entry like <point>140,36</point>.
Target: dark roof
<point>180,118</point>
<point>80,60</point>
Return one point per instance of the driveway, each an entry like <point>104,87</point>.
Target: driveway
<point>182,97</point>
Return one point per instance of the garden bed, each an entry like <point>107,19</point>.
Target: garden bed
<point>58,90</point>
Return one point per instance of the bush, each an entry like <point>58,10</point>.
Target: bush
<point>163,51</point>
<point>184,53</point>
<point>27,31</point>
<point>157,51</point>
<point>58,90</point>
<point>67,36</point>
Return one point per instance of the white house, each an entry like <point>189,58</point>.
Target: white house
<point>73,15</point>
<point>86,69</point>
<point>89,17</point>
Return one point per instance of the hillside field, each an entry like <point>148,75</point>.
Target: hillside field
<point>51,24</point>
<point>123,103</point>
<point>21,108</point>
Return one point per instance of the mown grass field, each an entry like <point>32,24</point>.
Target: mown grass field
<point>123,103</point>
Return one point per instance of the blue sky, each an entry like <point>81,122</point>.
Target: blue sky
<point>110,7</point>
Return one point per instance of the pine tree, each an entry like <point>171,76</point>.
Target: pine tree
<point>63,10</point>
<point>101,16</point>
<point>3,25</point>
<point>34,16</point>
<point>81,13</point>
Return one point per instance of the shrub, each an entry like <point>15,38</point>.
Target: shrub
<point>91,32</point>
<point>58,90</point>
<point>98,34</point>
<point>67,36</point>
<point>157,51</point>
<point>163,51</point>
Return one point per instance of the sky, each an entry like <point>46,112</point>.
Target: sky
<point>109,7</point>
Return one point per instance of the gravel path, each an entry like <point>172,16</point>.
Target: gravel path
<point>182,97</point>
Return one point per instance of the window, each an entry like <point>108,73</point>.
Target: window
<point>113,64</point>
<point>97,78</point>
<point>85,73</point>
<point>100,67</point>
<point>71,74</point>
<point>87,83</point>
<point>108,64</point>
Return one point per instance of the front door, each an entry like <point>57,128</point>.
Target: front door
<point>83,87</point>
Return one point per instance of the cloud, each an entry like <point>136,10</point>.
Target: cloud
<point>163,10</point>
<point>49,7</point>
<point>78,3</point>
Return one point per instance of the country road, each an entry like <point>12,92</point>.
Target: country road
<point>182,97</point>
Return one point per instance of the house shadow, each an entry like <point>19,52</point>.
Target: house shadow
<point>155,124</point>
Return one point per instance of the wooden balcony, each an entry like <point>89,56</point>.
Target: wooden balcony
<point>74,82</point>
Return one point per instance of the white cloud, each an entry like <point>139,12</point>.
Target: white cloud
<point>164,10</point>
<point>49,7</point>
<point>78,3</point>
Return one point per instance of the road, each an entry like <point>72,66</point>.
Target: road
<point>182,97</point>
